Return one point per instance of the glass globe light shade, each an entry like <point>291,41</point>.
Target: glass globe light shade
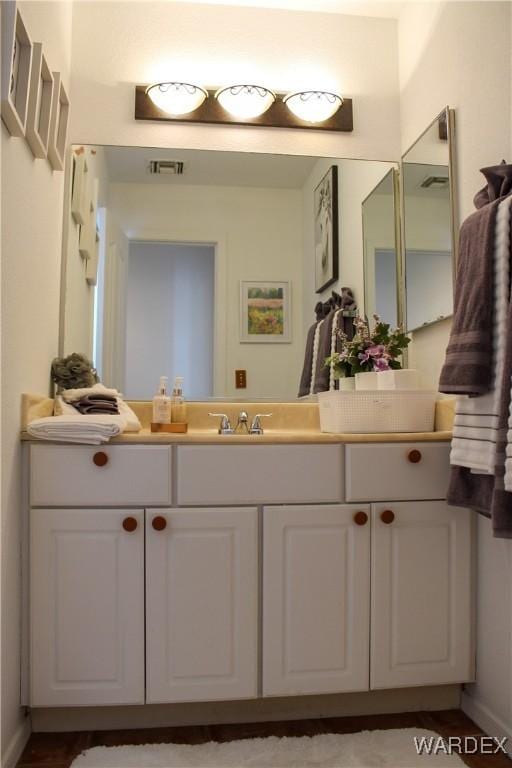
<point>313,106</point>
<point>176,98</point>
<point>245,101</point>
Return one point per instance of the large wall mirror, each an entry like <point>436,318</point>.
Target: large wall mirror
<point>381,251</point>
<point>204,263</point>
<point>429,227</point>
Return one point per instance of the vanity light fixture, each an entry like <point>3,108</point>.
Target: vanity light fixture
<point>176,98</point>
<point>245,101</point>
<point>313,106</point>
<point>243,104</point>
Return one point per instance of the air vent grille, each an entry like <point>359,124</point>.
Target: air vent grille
<point>168,167</point>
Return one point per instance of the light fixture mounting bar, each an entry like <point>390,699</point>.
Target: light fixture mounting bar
<point>210,111</point>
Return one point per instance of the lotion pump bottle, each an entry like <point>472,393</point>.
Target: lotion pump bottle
<point>162,404</point>
<point>178,407</point>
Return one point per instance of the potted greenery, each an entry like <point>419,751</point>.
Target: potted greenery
<point>368,353</point>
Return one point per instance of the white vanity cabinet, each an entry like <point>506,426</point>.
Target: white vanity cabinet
<point>87,607</point>
<point>316,599</point>
<point>421,597</point>
<point>201,604</point>
<point>219,572</point>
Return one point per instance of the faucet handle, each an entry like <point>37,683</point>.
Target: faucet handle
<point>225,427</point>
<point>256,428</point>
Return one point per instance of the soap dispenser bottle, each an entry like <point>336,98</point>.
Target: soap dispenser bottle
<point>162,404</point>
<point>178,407</point>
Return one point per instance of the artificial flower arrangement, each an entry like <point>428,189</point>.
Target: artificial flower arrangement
<point>376,350</point>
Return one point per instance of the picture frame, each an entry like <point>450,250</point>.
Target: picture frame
<point>80,206</point>
<point>265,307</point>
<point>15,69</point>
<point>87,239</point>
<point>39,109</point>
<point>91,270</point>
<point>59,119</point>
<point>325,199</point>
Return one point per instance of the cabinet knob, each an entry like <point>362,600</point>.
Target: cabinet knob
<point>414,456</point>
<point>100,458</point>
<point>130,524</point>
<point>159,523</point>
<point>387,516</point>
<point>360,518</point>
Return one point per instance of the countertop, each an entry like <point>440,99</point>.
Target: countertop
<point>292,423</point>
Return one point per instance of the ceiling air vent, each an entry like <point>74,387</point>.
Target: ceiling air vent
<point>435,182</point>
<point>168,167</point>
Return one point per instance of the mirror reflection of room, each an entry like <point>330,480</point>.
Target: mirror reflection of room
<point>428,228</point>
<point>208,264</point>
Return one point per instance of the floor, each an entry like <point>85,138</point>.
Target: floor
<point>58,750</point>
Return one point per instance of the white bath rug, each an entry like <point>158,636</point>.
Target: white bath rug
<point>366,749</point>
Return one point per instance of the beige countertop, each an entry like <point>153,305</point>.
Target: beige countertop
<point>291,423</point>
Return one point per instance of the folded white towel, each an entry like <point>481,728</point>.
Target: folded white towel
<point>92,430</point>
<point>476,449</point>
<point>132,422</point>
<point>98,389</point>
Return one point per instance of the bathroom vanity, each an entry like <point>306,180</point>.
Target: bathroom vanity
<point>199,567</point>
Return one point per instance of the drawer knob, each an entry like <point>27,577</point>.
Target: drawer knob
<point>414,456</point>
<point>387,516</point>
<point>159,523</point>
<point>360,518</point>
<point>100,458</point>
<point>130,524</point>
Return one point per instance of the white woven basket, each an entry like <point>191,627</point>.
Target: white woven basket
<point>377,411</point>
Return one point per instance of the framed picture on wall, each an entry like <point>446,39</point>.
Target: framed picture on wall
<point>58,124</point>
<point>265,311</point>
<point>16,63</point>
<point>326,230</point>
<point>40,97</point>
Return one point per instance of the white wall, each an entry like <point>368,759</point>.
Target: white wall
<point>455,54</point>
<point>169,319</point>
<point>117,45</point>
<point>32,199</point>
<point>460,54</point>
<point>258,237</point>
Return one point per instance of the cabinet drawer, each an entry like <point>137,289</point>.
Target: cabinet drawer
<point>75,476</point>
<point>397,471</point>
<point>247,474</point>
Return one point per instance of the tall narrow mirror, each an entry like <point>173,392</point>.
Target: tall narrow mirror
<point>429,224</point>
<point>381,251</point>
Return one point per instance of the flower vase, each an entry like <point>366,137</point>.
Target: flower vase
<point>347,384</point>
<point>367,380</point>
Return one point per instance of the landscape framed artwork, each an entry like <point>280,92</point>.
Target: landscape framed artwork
<point>265,311</point>
<point>326,230</point>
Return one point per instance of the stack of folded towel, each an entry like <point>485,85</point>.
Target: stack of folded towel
<point>91,415</point>
<point>476,418</point>
<point>92,430</point>
<point>479,357</point>
<point>74,401</point>
<point>96,404</point>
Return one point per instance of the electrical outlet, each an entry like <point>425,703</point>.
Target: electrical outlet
<point>241,379</point>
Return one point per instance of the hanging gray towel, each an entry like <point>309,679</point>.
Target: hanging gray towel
<point>322,373</point>
<point>307,370</point>
<point>468,365</point>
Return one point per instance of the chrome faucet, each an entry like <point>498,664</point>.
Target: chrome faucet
<point>225,427</point>
<point>256,428</point>
<point>242,423</point>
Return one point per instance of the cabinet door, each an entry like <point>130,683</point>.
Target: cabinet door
<point>202,604</point>
<point>421,594</point>
<point>316,599</point>
<point>87,607</point>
